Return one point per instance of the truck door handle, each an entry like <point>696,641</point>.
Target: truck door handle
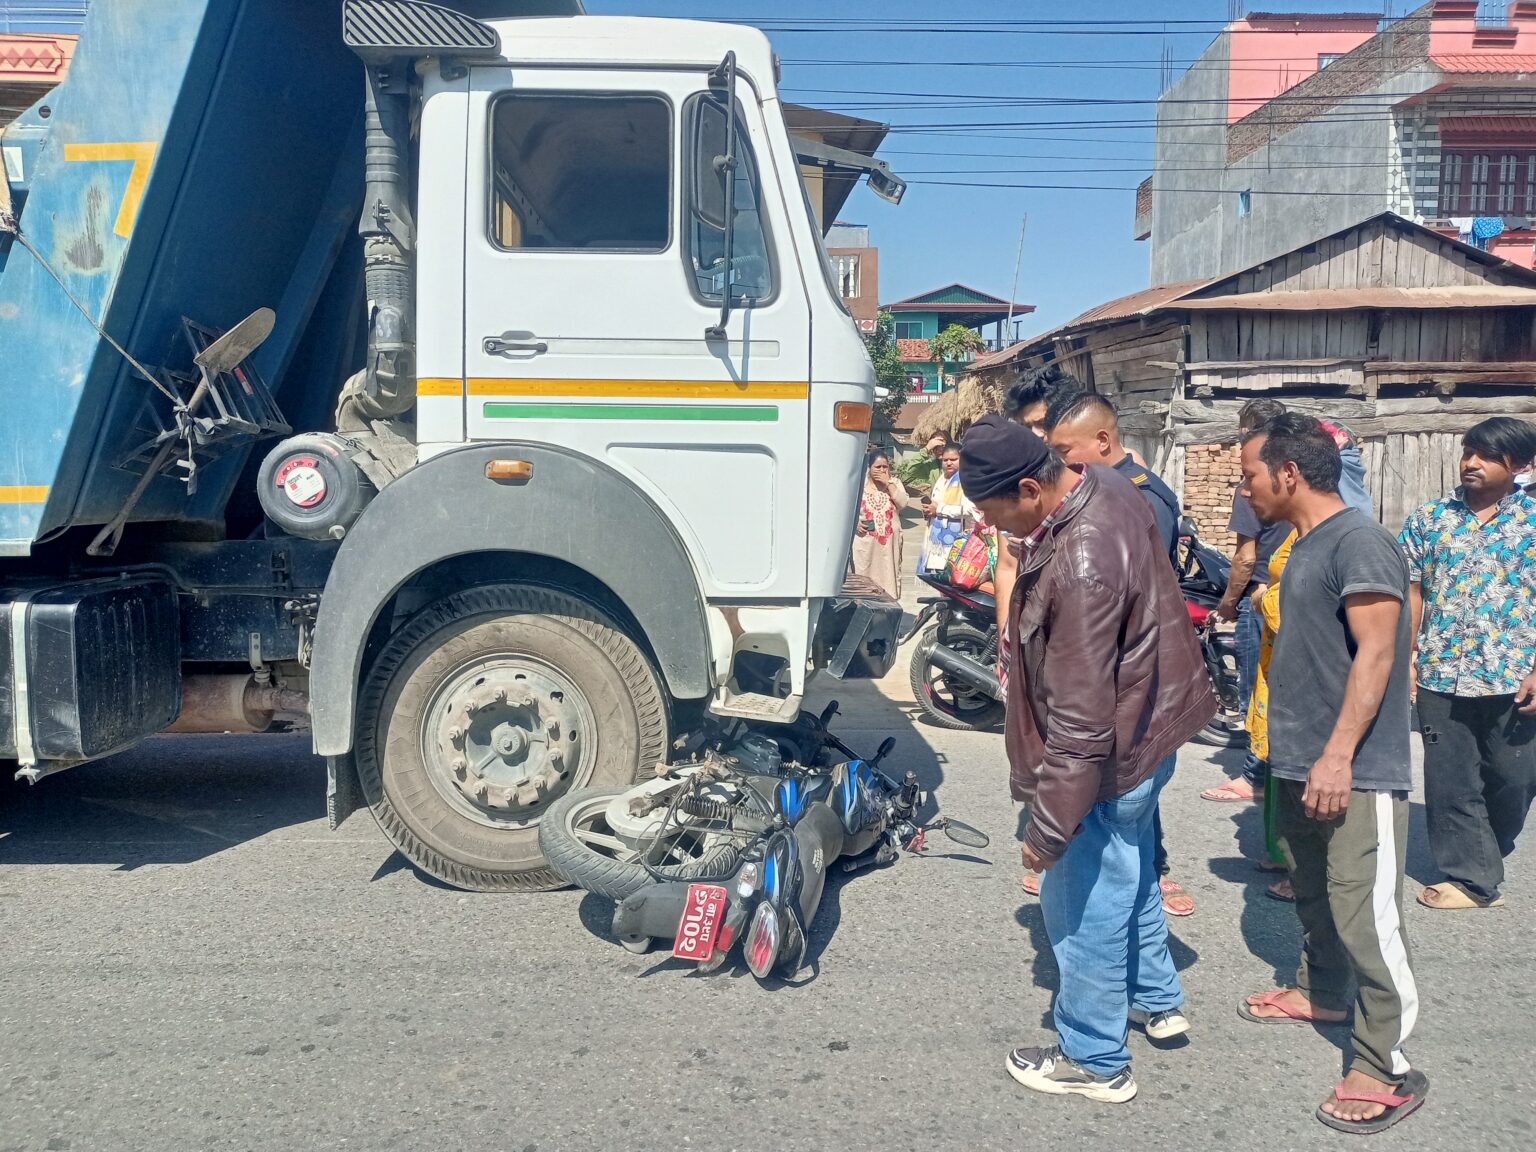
<point>498,345</point>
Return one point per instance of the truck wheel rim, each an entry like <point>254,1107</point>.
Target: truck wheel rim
<point>505,735</point>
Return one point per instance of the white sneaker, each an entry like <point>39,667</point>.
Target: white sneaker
<point>1047,1070</point>
<point>1161,1025</point>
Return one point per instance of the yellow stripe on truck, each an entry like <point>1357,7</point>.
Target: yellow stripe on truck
<point>23,493</point>
<point>641,389</point>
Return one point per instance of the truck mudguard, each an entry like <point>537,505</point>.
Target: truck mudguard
<point>569,508</point>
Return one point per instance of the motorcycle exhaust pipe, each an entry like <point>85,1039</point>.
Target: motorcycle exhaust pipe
<point>969,671</point>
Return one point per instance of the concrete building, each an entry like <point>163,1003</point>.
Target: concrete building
<point>1295,126</point>
<point>856,265</point>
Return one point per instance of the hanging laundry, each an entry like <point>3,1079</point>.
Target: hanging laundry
<point>1463,226</point>
<point>1485,228</point>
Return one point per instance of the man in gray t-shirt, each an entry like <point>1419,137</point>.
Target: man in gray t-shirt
<point>1346,555</point>
<point>1338,750</point>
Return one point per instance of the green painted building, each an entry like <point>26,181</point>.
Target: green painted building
<point>920,318</point>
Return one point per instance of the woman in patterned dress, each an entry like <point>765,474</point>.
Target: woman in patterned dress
<point>877,541</point>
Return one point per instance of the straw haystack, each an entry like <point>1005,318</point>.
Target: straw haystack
<point>955,411</point>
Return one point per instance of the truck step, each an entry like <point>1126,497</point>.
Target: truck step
<point>756,706</point>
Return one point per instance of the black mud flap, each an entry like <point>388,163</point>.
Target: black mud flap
<point>858,633</point>
<point>343,792</point>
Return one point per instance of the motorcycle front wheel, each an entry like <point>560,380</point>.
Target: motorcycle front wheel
<point>955,706</point>
<point>582,849</point>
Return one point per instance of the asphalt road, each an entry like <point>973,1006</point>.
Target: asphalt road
<point>190,960</point>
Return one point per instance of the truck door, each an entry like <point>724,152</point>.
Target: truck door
<point>591,275</point>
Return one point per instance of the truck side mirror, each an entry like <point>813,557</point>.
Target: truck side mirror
<point>721,171</point>
<point>710,127</point>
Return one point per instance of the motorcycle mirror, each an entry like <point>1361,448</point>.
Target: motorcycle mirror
<point>965,834</point>
<point>886,746</point>
<point>828,714</point>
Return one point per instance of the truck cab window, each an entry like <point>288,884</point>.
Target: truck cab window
<point>752,268</point>
<point>581,172</point>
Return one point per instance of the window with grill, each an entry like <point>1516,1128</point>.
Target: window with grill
<point>1478,201</point>
<point>1483,183</point>
<point>1450,184</point>
<point>1509,169</point>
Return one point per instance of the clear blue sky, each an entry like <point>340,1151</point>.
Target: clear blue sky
<point>1078,250</point>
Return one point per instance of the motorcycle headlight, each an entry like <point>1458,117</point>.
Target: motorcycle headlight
<point>763,938</point>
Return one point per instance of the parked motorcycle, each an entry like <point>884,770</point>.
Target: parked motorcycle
<point>953,665</point>
<point>953,668</point>
<point>733,847</point>
<point>1203,573</point>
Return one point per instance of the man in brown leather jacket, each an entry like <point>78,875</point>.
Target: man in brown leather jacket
<point>1106,683</point>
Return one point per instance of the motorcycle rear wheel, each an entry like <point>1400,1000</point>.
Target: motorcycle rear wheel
<point>582,850</point>
<point>961,709</point>
<point>1220,734</point>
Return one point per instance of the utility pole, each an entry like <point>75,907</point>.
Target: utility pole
<point>1017,264</point>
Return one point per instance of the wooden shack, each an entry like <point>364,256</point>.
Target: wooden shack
<point>1404,336</point>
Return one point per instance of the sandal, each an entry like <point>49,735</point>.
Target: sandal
<point>1031,883</point>
<point>1274,1000</point>
<point>1229,793</point>
<point>1399,1105</point>
<point>1282,891</point>
<point>1448,897</point>
<point>1172,890</point>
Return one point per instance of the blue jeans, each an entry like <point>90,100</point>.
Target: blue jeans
<point>1246,638</point>
<point>1104,914</point>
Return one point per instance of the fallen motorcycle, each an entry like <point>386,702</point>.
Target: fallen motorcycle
<point>733,847</point>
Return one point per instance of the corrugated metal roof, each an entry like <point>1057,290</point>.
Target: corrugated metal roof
<point>1483,62</point>
<point>1337,299</point>
<point>1141,303</point>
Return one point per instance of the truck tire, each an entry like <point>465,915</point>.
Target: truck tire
<point>611,876</point>
<point>484,709</point>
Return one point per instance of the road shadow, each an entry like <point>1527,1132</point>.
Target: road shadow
<point>171,800</point>
<point>396,862</point>
<point>866,716</point>
<point>1043,969</point>
<point>1421,864</point>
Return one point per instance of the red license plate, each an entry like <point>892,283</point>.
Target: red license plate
<point>703,916</point>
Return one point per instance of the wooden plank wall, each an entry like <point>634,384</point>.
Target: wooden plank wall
<point>1377,254</point>
<point>1405,471</point>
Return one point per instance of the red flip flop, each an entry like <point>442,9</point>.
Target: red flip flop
<point>1399,1105</point>
<point>1274,999</point>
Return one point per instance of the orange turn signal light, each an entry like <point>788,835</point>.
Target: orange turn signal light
<point>848,416</point>
<point>509,471</point>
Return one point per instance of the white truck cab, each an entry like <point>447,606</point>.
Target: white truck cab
<point>570,278</point>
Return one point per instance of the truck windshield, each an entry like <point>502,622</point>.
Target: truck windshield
<point>827,273</point>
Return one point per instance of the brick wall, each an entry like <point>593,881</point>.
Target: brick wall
<point>1211,475</point>
<point>1398,48</point>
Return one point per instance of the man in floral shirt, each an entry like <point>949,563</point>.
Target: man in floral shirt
<point>1472,560</point>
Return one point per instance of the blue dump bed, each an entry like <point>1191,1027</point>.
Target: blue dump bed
<point>202,160</point>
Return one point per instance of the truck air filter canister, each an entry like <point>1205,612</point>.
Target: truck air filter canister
<point>310,487</point>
